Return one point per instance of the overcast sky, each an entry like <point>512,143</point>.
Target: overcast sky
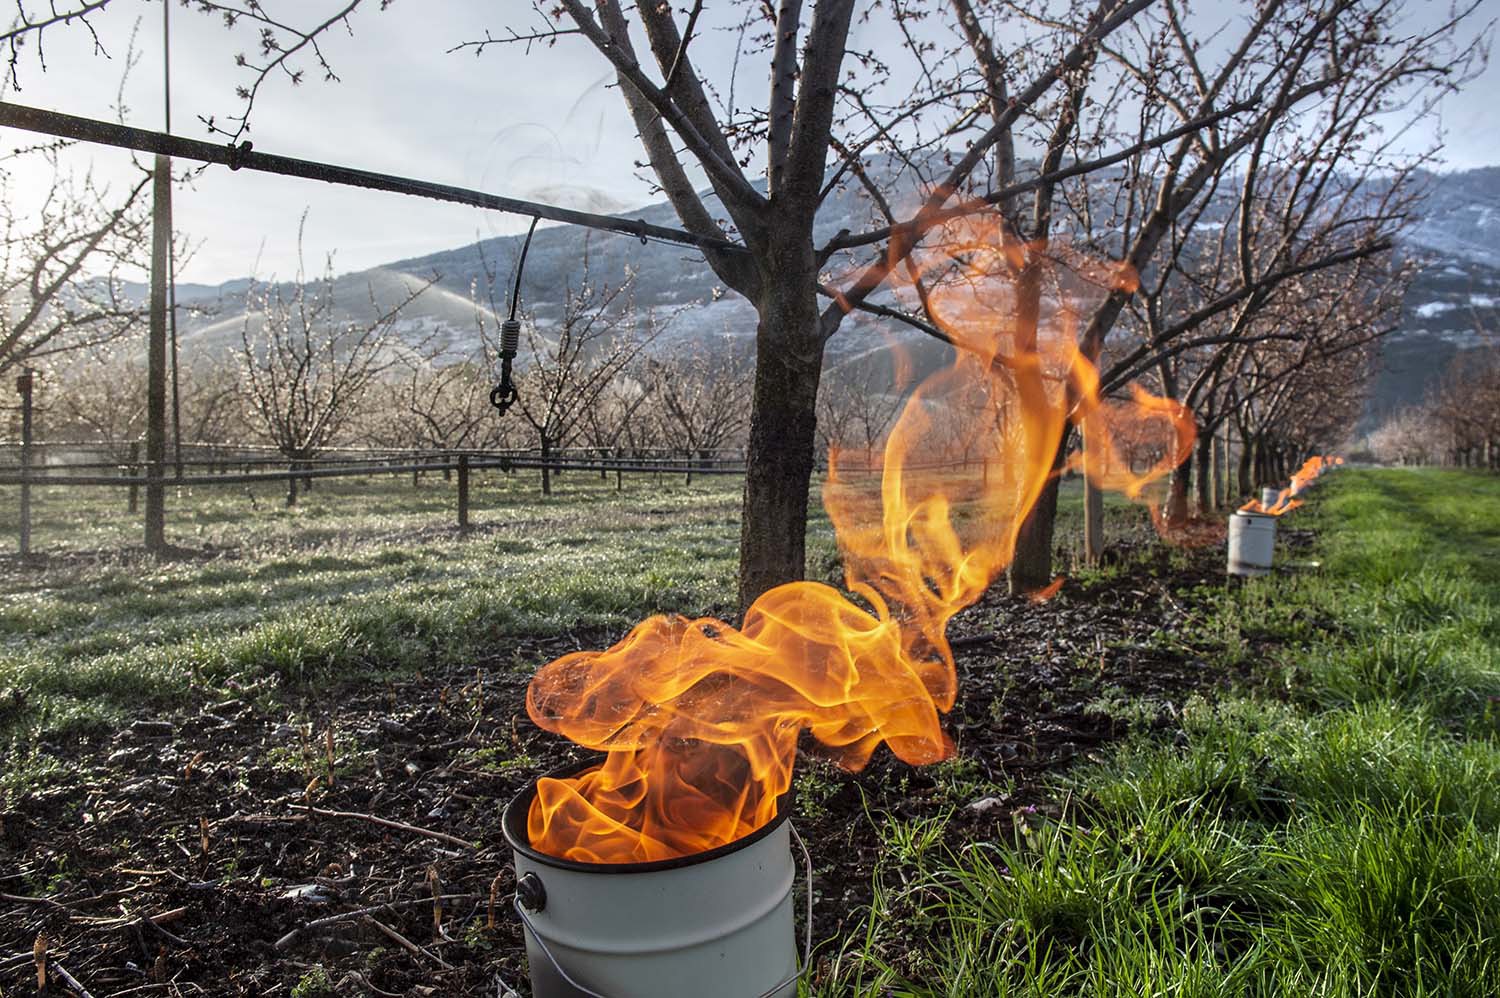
<point>545,127</point>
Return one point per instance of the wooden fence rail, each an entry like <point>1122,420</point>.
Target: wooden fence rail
<point>132,476</point>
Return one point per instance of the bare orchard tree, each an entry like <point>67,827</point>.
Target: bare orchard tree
<point>1296,179</point>
<point>305,366</point>
<point>429,400</point>
<point>212,410</point>
<point>623,422</point>
<point>1411,436</point>
<point>857,404</point>
<point>702,400</point>
<point>1465,407</point>
<point>100,396</point>
<point>567,367</point>
<point>60,268</point>
<point>938,89</point>
<point>450,402</point>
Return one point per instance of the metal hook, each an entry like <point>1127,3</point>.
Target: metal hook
<point>238,152</point>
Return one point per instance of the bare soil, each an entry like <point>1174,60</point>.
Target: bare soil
<point>178,857</point>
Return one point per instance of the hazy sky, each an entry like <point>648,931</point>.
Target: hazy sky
<point>545,126</point>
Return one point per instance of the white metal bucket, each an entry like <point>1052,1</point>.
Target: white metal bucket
<point>1252,541</point>
<point>718,923</point>
<point>1268,497</point>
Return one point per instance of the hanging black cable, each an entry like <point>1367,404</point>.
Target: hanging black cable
<point>504,395</point>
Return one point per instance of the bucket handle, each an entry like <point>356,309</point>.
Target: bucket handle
<point>807,875</point>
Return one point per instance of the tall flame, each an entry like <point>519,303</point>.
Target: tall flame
<point>1304,476</point>
<point>700,720</point>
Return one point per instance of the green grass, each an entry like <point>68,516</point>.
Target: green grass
<point>363,579</point>
<point>1334,831</point>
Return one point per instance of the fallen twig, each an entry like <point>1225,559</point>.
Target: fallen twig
<point>970,640</point>
<point>23,899</point>
<point>170,915</point>
<point>408,945</point>
<point>346,916</point>
<point>54,967</point>
<point>387,823</point>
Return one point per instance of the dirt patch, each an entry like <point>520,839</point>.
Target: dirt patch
<point>179,856</point>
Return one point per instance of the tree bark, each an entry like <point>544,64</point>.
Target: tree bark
<point>546,469</point>
<point>1177,496</point>
<point>1244,467</point>
<point>1031,568</point>
<point>1093,523</point>
<point>1206,470</point>
<point>783,433</point>
<point>1093,511</point>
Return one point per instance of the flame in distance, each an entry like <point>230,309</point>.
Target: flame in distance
<point>1286,499</point>
<point>700,721</point>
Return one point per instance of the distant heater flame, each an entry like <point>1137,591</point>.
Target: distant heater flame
<point>1286,500</point>
<point>700,721</point>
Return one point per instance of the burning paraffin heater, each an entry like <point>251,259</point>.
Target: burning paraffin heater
<point>1252,542</point>
<point>718,922</point>
<point>1252,529</point>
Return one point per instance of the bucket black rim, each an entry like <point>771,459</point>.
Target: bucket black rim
<point>513,825</point>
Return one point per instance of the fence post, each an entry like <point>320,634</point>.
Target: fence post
<point>463,492</point>
<point>134,499</point>
<point>156,360</point>
<point>23,385</point>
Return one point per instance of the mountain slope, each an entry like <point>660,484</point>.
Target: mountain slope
<point>1456,291</point>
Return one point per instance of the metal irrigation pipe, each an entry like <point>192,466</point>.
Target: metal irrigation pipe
<point>243,156</point>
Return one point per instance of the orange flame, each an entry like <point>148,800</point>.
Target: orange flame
<point>700,721</point>
<point>1301,479</point>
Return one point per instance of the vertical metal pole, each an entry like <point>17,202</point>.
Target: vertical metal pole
<point>23,385</point>
<point>156,359</point>
<point>133,470</point>
<point>463,492</point>
<point>166,61</point>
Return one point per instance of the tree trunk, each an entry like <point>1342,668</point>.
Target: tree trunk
<point>1206,467</point>
<point>1093,509</point>
<point>783,432</point>
<point>546,470</point>
<point>1226,456</point>
<point>1177,496</point>
<point>1031,568</point>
